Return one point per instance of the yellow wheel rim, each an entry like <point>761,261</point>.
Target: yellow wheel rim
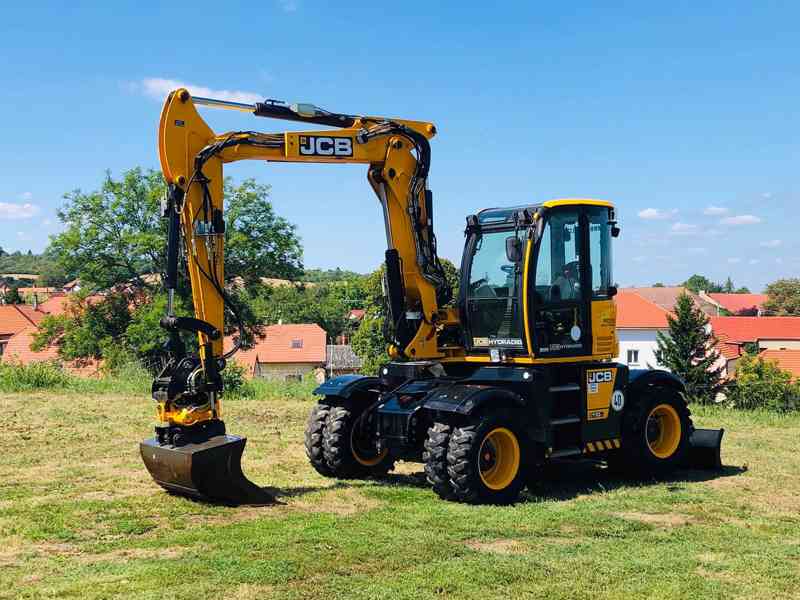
<point>663,431</point>
<point>498,458</point>
<point>362,455</point>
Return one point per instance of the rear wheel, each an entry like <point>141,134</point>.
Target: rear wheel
<point>655,436</point>
<point>348,443</point>
<point>485,462</point>
<point>434,456</point>
<point>315,428</point>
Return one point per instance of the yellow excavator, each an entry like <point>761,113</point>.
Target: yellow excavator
<point>518,372</point>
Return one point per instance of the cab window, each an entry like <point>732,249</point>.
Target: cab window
<point>600,251</point>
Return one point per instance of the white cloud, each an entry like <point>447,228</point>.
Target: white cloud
<point>10,210</point>
<point>698,250</point>
<point>715,211</point>
<point>734,261</point>
<point>26,195</point>
<point>683,228</point>
<point>771,244</point>
<point>753,261</point>
<point>288,6</point>
<point>158,88</point>
<point>741,220</point>
<point>656,214</point>
<point>766,195</point>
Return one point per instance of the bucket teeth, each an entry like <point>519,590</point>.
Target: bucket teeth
<point>209,470</point>
<point>705,446</point>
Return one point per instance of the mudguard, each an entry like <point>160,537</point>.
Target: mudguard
<point>465,399</point>
<point>641,378</point>
<point>345,386</point>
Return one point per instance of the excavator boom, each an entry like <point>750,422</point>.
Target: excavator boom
<point>191,452</point>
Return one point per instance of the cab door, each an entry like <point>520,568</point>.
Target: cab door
<point>559,293</point>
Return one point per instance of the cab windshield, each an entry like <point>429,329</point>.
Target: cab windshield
<point>492,296</point>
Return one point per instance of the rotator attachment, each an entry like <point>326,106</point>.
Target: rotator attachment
<point>191,454</point>
<point>705,446</point>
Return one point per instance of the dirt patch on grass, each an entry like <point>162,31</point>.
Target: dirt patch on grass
<point>344,502</point>
<point>501,546</point>
<point>663,520</point>
<point>134,553</point>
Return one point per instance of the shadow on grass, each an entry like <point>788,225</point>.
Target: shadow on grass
<point>564,480</point>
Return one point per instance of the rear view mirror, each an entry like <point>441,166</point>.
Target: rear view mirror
<point>615,231</point>
<point>513,249</point>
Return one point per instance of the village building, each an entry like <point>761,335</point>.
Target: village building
<point>737,335</point>
<point>285,352</point>
<point>639,322</point>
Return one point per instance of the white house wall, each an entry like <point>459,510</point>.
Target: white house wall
<point>643,340</point>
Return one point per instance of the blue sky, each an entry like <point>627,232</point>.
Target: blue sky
<point>685,114</point>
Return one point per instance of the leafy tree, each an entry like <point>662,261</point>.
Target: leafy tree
<point>86,328</point>
<point>742,290</point>
<point>115,234</point>
<point>699,283</point>
<point>658,284</point>
<point>689,351</point>
<point>727,287</point>
<point>12,296</point>
<point>783,298</point>
<point>762,384</point>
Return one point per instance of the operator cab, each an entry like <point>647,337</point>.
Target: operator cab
<point>535,277</point>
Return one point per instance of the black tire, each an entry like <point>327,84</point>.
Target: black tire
<point>339,445</point>
<point>638,456</point>
<point>434,456</point>
<point>464,464</point>
<point>315,429</point>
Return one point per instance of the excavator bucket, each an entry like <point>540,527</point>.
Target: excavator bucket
<point>211,470</point>
<point>705,447</point>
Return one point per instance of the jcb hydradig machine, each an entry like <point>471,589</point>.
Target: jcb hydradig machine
<point>517,373</point>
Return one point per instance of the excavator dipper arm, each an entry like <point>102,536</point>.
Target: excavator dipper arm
<point>397,153</point>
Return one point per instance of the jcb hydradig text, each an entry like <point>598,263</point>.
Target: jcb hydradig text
<point>517,373</point>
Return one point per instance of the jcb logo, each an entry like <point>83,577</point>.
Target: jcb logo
<point>311,145</point>
<point>600,376</point>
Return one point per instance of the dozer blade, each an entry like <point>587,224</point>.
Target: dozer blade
<point>705,447</point>
<point>211,470</point>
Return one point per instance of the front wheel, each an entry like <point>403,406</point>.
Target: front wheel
<point>348,443</point>
<point>655,436</point>
<point>486,462</point>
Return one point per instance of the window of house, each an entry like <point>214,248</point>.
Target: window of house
<point>297,343</point>
<point>633,357</point>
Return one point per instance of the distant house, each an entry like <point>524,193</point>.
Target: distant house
<point>788,360</point>
<point>356,314</point>
<point>737,304</point>
<point>639,321</point>
<point>36,295</point>
<point>737,335</point>
<point>13,319</point>
<point>18,350</point>
<point>285,352</point>
<point>666,297</point>
<point>72,286</point>
<point>341,360</point>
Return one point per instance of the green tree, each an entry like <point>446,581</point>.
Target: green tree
<point>115,234</point>
<point>700,283</point>
<point>762,384</point>
<point>783,298</point>
<point>689,351</point>
<point>86,328</point>
<point>12,296</point>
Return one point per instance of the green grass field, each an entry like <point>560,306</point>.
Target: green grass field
<point>80,517</point>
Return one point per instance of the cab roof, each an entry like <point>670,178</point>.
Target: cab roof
<point>500,215</point>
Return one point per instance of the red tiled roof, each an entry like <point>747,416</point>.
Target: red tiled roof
<point>16,317</point>
<point>57,305</point>
<point>751,329</point>
<point>357,314</point>
<point>788,360</point>
<point>19,350</point>
<point>635,312</point>
<point>727,348</point>
<point>298,343</point>
<point>737,302</point>
<point>664,297</point>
